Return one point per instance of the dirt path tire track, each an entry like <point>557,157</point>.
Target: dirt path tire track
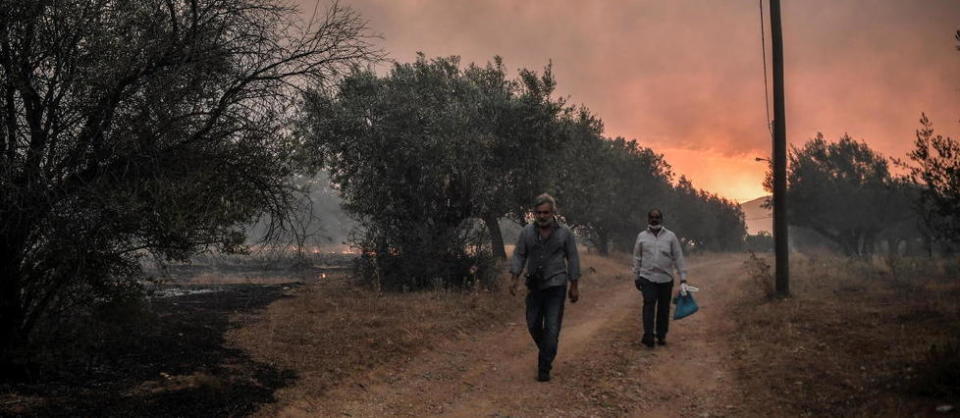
<point>697,377</point>
<point>601,369</point>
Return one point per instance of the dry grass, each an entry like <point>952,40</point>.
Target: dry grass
<point>330,331</point>
<point>853,340</point>
<point>760,273</point>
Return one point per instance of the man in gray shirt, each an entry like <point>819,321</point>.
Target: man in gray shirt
<point>549,252</point>
<point>655,255</point>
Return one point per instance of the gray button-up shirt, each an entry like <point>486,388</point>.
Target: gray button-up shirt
<point>552,261</point>
<point>656,255</point>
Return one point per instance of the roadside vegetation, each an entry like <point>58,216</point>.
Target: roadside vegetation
<point>856,338</point>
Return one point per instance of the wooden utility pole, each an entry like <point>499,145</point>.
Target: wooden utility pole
<point>779,157</point>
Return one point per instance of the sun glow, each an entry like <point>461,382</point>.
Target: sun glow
<point>735,177</point>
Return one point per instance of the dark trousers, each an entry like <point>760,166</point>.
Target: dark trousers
<point>544,316</point>
<point>656,303</point>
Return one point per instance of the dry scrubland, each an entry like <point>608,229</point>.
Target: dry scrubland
<point>333,334</point>
<point>854,340</point>
<point>857,338</point>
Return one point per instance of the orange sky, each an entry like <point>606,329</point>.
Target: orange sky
<point>685,77</point>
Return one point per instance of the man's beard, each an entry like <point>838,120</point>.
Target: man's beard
<point>545,222</point>
<point>655,227</point>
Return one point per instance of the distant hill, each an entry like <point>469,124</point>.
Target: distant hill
<point>758,219</point>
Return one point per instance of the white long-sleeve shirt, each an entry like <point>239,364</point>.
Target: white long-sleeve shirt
<point>656,255</point>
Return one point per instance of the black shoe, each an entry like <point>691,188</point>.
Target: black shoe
<point>543,376</point>
<point>661,341</point>
<point>647,341</point>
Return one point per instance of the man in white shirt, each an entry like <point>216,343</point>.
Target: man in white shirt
<point>656,254</point>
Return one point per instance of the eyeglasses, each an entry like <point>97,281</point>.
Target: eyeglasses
<point>543,212</point>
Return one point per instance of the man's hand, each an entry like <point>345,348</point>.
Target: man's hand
<point>685,288</point>
<point>574,292</point>
<point>515,284</point>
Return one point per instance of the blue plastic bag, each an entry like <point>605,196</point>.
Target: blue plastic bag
<point>686,306</point>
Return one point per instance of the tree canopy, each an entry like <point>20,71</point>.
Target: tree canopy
<point>422,153</point>
<point>132,127</point>
<point>935,167</point>
<point>844,191</point>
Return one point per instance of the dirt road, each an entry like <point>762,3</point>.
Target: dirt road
<point>601,370</point>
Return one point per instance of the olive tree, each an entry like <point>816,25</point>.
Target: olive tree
<point>934,165</point>
<point>844,191</point>
<point>134,127</point>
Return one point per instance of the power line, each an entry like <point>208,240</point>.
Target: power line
<point>763,49</point>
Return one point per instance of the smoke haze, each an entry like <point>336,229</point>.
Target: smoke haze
<point>686,78</point>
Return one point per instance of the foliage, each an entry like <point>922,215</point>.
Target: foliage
<point>519,134</point>
<point>416,156</point>
<point>420,153</point>
<point>134,127</point>
<point>936,169</point>
<point>609,185</point>
<point>706,221</point>
<point>316,222</point>
<point>760,242</point>
<point>845,192</point>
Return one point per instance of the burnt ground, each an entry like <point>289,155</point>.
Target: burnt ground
<point>176,364</point>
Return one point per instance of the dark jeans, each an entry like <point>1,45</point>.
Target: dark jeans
<point>544,316</point>
<point>656,302</point>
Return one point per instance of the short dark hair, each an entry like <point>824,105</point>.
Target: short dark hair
<point>658,211</point>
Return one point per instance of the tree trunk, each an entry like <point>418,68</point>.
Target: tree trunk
<point>848,242</point>
<point>12,349</point>
<point>496,237</point>
<point>12,335</point>
<point>870,244</point>
<point>603,243</point>
<point>927,243</point>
